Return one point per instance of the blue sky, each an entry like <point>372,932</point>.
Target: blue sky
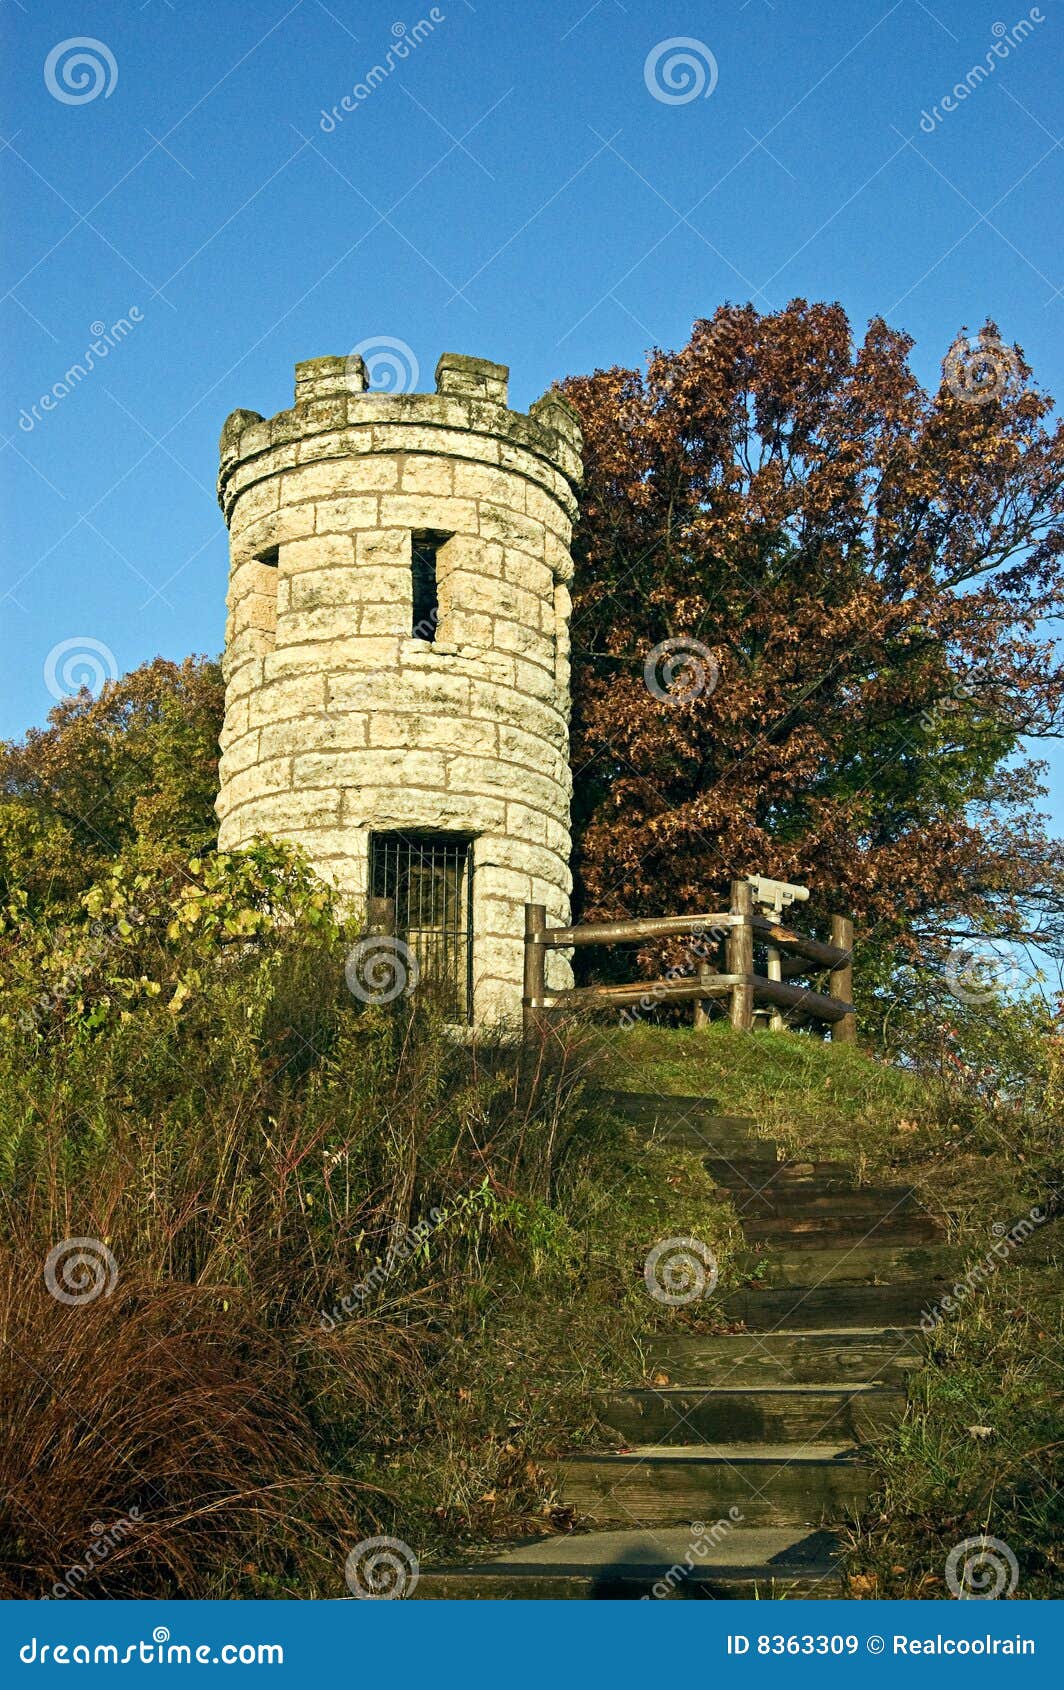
<point>515,189</point>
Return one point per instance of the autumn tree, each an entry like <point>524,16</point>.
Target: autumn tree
<point>812,629</point>
<point>133,770</point>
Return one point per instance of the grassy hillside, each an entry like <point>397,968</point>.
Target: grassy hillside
<point>346,1276</point>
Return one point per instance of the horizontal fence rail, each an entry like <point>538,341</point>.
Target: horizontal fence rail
<point>735,931</point>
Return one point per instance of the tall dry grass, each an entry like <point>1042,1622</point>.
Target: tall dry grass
<point>250,1149</point>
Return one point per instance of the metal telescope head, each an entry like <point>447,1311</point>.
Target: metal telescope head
<point>776,895</point>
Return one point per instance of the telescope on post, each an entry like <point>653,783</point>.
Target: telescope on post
<point>776,895</point>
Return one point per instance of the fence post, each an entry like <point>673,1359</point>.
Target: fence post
<point>840,980</point>
<point>380,916</point>
<point>705,975</point>
<point>740,953</point>
<point>535,967</point>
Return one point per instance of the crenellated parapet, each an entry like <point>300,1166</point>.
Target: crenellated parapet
<point>467,417</point>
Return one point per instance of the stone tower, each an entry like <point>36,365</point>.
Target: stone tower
<point>397,655</point>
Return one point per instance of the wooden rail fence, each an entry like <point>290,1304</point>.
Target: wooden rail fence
<point>737,930</point>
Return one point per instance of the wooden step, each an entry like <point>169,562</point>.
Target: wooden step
<point>853,1263</point>
<point>664,1105</point>
<point>808,1197</point>
<point>765,1173</point>
<point>692,1123</point>
<point>746,1415</point>
<point>627,1584</point>
<point>722,1137</point>
<point>771,1484</point>
<point>842,1231</point>
<point>813,1306</point>
<point>672,1563</point>
<point>883,1355</point>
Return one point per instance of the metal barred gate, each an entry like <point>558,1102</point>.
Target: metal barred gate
<point>429,877</point>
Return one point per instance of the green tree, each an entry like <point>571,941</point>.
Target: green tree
<point>134,771</point>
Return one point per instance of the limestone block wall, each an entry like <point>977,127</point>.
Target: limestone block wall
<point>340,719</point>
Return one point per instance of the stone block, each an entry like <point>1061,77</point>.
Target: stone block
<point>453,516</point>
<point>475,378</point>
<point>329,478</point>
<point>259,499</point>
<point>430,476</point>
<point>384,548</point>
<point>238,755</point>
<point>484,481</point>
<point>390,729</point>
<point>512,528</point>
<point>322,732</point>
<point>524,641</point>
<point>321,552</point>
<point>293,695</point>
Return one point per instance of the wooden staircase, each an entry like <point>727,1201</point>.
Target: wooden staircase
<point>726,1481</point>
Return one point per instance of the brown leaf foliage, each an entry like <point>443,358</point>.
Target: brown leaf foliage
<point>860,576</point>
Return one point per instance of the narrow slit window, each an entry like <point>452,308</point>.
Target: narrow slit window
<point>426,599</point>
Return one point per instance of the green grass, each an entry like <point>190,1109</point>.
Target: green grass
<point>813,1097</point>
